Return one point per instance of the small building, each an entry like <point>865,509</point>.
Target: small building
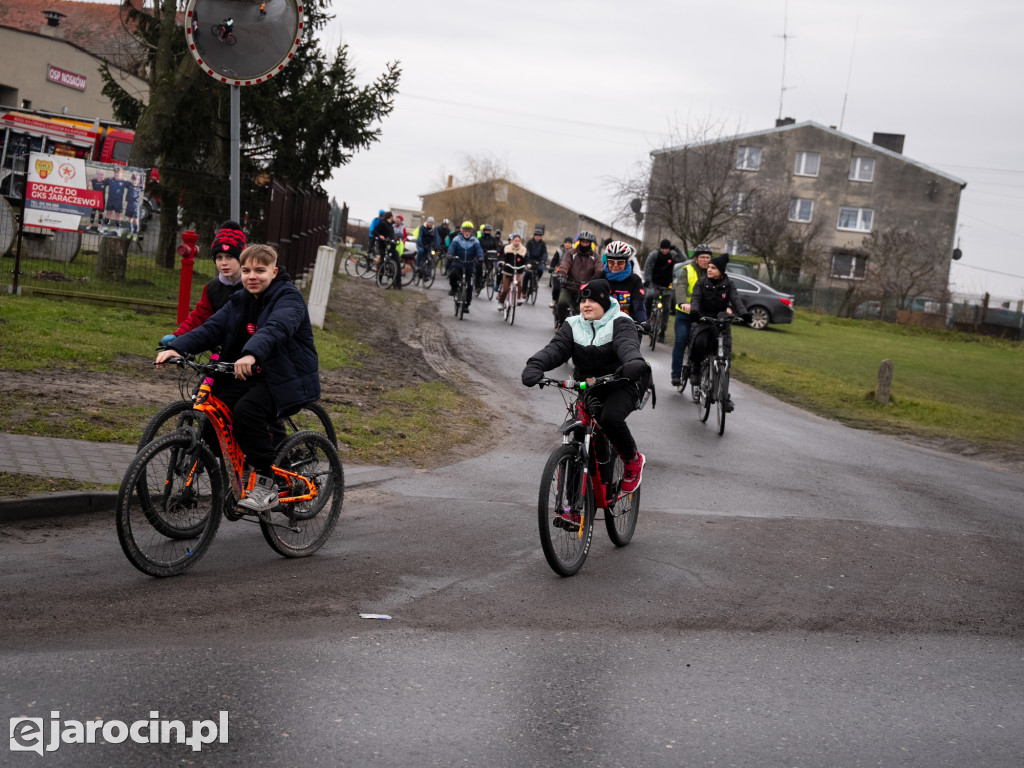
<point>513,208</point>
<point>53,51</point>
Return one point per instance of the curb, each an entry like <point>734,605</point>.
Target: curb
<point>41,506</point>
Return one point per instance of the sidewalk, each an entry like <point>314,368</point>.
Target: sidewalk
<point>103,463</point>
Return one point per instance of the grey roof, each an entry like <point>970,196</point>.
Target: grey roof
<point>834,132</point>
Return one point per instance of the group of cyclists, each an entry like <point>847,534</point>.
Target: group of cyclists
<point>598,297</point>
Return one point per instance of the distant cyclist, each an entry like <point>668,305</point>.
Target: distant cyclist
<point>713,296</point>
<point>658,277</point>
<point>467,249</point>
<point>691,273</point>
<point>226,28</point>
<point>627,287</point>
<point>579,265</point>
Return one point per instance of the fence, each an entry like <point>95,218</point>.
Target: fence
<point>83,264</point>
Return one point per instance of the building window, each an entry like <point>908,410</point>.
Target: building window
<point>748,159</point>
<point>735,247</point>
<point>848,266</point>
<point>801,209</point>
<point>807,163</point>
<point>856,219</point>
<point>741,202</point>
<point>862,169</point>
<point>501,193</point>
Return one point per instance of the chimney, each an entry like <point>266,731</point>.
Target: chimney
<point>891,141</point>
<point>52,26</point>
<point>449,181</point>
<point>779,122</point>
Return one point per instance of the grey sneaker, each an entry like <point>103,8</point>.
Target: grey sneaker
<point>263,496</point>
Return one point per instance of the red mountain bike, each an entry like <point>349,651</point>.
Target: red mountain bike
<point>582,475</point>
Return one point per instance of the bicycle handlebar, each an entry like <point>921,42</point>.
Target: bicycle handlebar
<point>731,319</point>
<point>187,361</point>
<point>513,268</point>
<point>579,385</point>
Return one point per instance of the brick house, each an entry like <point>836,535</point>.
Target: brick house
<point>512,207</point>
<point>852,188</point>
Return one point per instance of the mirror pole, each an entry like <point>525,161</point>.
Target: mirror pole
<point>236,131</point>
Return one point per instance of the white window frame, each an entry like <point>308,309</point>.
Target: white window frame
<point>865,219</point>
<point>796,205</point>
<point>857,169</point>
<point>803,160</point>
<point>856,260</point>
<point>735,247</point>
<point>748,159</point>
<point>741,203</point>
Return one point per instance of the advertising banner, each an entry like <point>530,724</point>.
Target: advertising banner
<point>74,194</point>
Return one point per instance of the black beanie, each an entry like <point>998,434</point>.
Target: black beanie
<point>599,291</point>
<point>665,244</point>
<point>720,261</point>
<point>230,239</point>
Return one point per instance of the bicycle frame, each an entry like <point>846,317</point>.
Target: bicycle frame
<point>218,415</point>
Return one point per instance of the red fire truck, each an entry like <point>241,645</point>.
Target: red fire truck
<point>24,130</point>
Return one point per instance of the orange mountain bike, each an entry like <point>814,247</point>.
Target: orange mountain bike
<point>177,487</point>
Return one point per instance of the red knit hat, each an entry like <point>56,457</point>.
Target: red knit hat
<point>230,239</point>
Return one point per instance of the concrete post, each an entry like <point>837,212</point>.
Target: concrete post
<point>320,290</point>
<point>884,388</point>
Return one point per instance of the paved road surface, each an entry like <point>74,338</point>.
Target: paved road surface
<point>797,593</point>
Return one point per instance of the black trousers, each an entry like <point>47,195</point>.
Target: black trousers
<point>252,413</point>
<point>703,343</point>
<point>618,403</point>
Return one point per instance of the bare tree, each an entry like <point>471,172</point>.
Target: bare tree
<point>479,193</point>
<point>901,266</point>
<point>766,231</point>
<point>691,187</point>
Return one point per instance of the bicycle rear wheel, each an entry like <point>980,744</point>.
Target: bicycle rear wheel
<point>565,511</point>
<point>312,417</point>
<point>357,264</point>
<point>408,271</point>
<point>620,519</point>
<point>169,505</point>
<point>704,403</point>
<point>304,519</point>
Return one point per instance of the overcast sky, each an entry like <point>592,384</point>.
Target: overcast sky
<point>571,92</point>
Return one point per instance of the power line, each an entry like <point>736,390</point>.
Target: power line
<point>993,271</point>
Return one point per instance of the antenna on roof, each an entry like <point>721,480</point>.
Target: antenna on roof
<point>785,42</point>
<point>849,72</point>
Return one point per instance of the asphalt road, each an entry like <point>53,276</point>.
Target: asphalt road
<point>797,594</point>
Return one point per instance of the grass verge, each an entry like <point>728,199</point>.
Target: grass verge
<point>13,484</point>
<point>945,385</point>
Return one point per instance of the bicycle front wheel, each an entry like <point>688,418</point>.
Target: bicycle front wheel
<point>166,421</point>
<point>429,272</point>
<point>309,468</point>
<point>357,264</point>
<point>386,273</point>
<point>655,327</point>
<point>169,505</point>
<point>721,396</point>
<point>704,403</point>
<point>408,271</point>
<point>565,511</point>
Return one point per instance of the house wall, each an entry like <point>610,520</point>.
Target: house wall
<point>26,61</point>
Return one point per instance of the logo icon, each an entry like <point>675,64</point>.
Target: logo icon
<point>43,168</point>
<point>27,734</point>
<point>66,171</point>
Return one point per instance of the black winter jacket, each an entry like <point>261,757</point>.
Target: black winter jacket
<point>712,297</point>
<point>596,348</point>
<point>274,328</point>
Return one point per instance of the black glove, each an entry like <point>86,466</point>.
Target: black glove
<point>747,318</point>
<point>532,376</point>
<point>645,327</point>
<point>632,370</point>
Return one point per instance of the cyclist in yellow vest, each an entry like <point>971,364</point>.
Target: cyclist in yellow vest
<point>692,272</point>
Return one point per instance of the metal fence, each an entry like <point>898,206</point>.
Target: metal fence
<point>292,220</point>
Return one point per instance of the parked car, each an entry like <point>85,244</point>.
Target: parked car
<point>765,304</point>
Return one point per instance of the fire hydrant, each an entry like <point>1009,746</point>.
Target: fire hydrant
<point>188,251</point>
